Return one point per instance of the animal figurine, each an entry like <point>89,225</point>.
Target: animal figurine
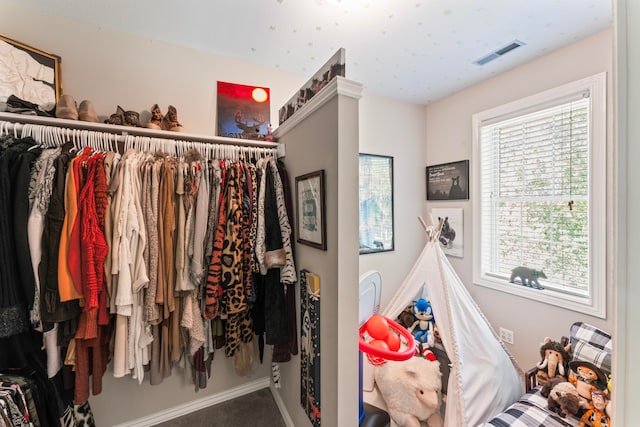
<point>554,361</point>
<point>528,276</point>
<point>411,391</point>
<point>562,397</point>
<point>424,322</point>
<point>597,416</point>
<point>586,378</point>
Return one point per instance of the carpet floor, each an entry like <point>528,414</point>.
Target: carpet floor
<point>257,409</point>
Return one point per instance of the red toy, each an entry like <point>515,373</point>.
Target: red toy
<point>385,343</point>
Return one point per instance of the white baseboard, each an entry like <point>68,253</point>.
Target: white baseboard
<point>281,406</point>
<point>205,402</point>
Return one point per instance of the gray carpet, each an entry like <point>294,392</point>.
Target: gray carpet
<point>257,409</point>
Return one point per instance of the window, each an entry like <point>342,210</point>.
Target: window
<point>540,184</point>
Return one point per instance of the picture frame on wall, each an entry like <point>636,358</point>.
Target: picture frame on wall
<point>310,213</point>
<point>376,203</point>
<point>452,233</point>
<point>448,181</point>
<point>37,71</point>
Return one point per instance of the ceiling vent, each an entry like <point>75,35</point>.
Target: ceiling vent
<point>498,53</point>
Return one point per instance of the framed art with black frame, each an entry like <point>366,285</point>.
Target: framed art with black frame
<point>29,74</point>
<point>448,181</point>
<point>310,217</point>
<point>376,203</point>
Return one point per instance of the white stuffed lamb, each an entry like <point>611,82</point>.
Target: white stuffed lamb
<point>411,391</point>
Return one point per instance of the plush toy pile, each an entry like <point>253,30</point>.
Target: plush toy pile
<point>578,388</point>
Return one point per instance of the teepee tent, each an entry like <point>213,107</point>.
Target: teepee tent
<point>484,378</point>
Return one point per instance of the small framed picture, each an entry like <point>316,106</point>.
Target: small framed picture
<point>30,74</point>
<point>452,232</point>
<point>310,218</point>
<point>448,181</point>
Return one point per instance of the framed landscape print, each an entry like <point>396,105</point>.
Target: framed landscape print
<point>243,111</point>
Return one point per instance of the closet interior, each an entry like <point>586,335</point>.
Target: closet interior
<point>138,249</point>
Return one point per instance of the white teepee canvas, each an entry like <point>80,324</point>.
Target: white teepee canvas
<point>484,378</point>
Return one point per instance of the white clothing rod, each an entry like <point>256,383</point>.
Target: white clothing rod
<point>49,130</point>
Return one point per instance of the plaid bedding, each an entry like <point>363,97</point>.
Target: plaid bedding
<point>531,411</point>
<point>587,343</point>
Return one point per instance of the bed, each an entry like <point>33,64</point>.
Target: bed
<point>588,343</point>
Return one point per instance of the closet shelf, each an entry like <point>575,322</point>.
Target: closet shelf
<point>137,131</point>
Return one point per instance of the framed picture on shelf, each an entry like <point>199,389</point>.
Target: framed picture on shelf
<point>310,217</point>
<point>333,68</point>
<point>376,203</point>
<point>243,111</point>
<point>29,73</point>
<point>448,181</point>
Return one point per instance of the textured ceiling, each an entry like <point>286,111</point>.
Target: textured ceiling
<point>414,50</point>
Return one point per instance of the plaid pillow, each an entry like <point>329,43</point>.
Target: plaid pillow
<point>590,344</point>
<point>592,335</point>
<point>584,351</point>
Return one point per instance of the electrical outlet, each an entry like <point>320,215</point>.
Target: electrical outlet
<point>506,335</point>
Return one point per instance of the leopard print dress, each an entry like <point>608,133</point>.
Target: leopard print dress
<point>225,292</point>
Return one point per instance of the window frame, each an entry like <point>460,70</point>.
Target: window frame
<point>594,303</point>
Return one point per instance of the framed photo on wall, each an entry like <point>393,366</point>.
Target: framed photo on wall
<point>310,217</point>
<point>452,232</point>
<point>448,181</point>
<point>37,73</point>
<point>376,203</point>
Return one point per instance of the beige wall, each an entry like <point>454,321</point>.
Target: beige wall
<point>112,68</point>
<point>449,138</point>
<point>392,128</point>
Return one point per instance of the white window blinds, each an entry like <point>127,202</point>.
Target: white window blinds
<point>534,194</point>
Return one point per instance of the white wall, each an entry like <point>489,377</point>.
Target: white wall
<point>627,344</point>
<point>449,138</point>
<point>393,128</point>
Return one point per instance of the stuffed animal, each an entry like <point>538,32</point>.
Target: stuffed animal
<point>406,317</point>
<point>424,314</point>
<point>554,361</point>
<point>597,416</point>
<point>411,391</point>
<point>562,397</point>
<point>586,378</point>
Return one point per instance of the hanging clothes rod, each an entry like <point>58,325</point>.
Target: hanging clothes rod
<point>120,133</point>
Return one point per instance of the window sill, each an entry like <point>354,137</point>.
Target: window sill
<point>586,305</point>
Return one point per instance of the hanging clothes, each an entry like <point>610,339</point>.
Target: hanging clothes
<point>166,257</point>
